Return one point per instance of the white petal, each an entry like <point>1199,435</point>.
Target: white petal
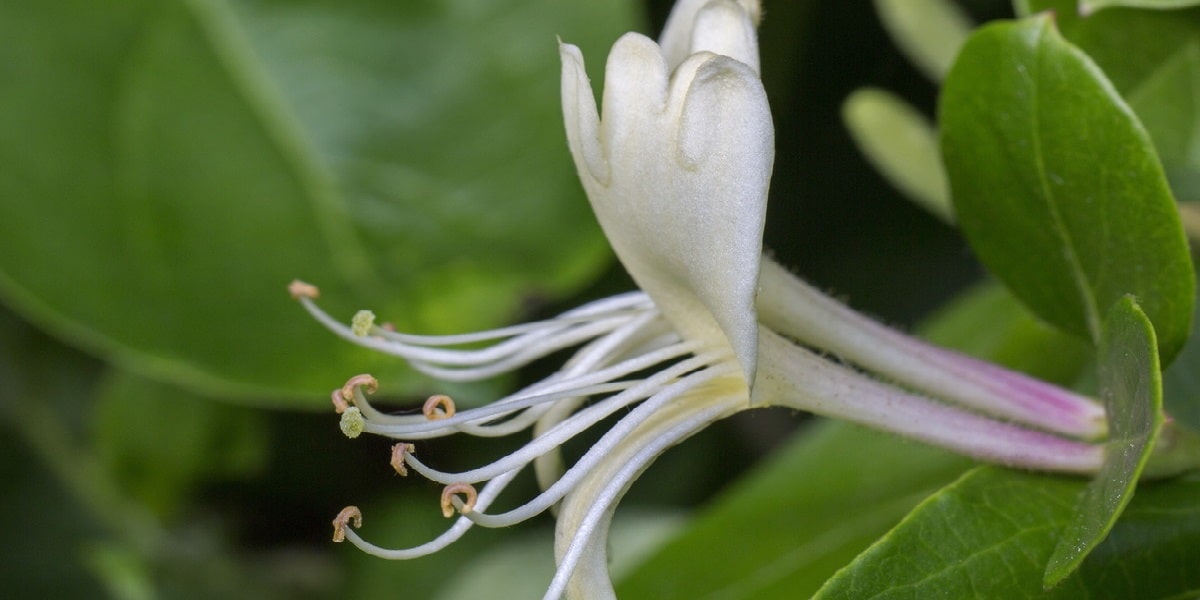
<point>687,203</point>
<point>688,162</point>
<point>581,118</point>
<point>685,24</point>
<point>635,94</point>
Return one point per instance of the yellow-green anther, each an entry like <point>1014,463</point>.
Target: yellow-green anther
<point>362,322</point>
<point>352,422</point>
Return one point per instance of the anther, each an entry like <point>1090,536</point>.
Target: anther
<point>352,422</point>
<point>453,490</point>
<point>342,519</point>
<point>362,322</point>
<point>399,451</point>
<point>339,403</point>
<point>298,289</point>
<point>438,407</point>
<point>363,380</point>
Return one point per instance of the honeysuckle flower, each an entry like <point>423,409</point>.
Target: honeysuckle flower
<point>677,172</point>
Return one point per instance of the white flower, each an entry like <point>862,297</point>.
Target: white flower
<point>677,172</point>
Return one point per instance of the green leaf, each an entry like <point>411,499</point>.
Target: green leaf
<point>159,443</point>
<point>989,534</point>
<point>789,526</point>
<point>901,144</point>
<point>1057,187</point>
<point>1153,59</point>
<point>176,164</point>
<point>1131,387</point>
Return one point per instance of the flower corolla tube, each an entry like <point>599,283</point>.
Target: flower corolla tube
<point>677,172</point>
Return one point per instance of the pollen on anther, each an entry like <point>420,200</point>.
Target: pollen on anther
<point>453,490</point>
<point>438,407</point>
<point>298,289</point>
<point>352,422</point>
<point>342,519</point>
<point>399,451</point>
<point>361,380</point>
<point>362,322</point>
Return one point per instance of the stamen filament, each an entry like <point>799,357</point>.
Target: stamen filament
<point>602,449</point>
<point>556,387</point>
<point>461,525</point>
<point>621,304</point>
<point>535,341</point>
<point>668,427</point>
<point>440,428</point>
<point>570,427</point>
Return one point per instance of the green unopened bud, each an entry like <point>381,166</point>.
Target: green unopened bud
<point>362,322</point>
<point>352,422</point>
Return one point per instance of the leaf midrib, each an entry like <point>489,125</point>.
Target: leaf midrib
<point>1078,277</point>
<point>248,77</point>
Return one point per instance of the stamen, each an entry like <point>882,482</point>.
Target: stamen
<point>342,519</point>
<point>438,407</point>
<point>450,498</point>
<point>362,323</point>
<point>604,448</point>
<point>660,386</point>
<point>352,422</point>
<point>359,381</point>
<point>398,453</point>
<point>298,289</point>
<point>663,430</point>
<point>402,426</point>
<point>524,344</point>
<point>621,304</point>
<point>339,403</point>
<point>451,535</point>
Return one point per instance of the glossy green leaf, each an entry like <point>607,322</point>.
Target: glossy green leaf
<point>1056,184</point>
<point>1153,59</point>
<point>789,526</point>
<point>989,534</point>
<point>175,164</point>
<point>902,145</point>
<point>1131,387</point>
